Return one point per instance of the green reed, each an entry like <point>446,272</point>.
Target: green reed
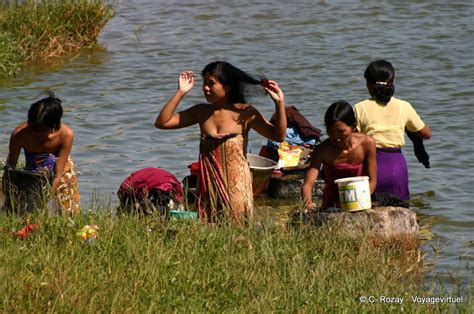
<point>144,264</point>
<point>41,30</point>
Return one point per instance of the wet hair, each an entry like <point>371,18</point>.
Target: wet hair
<point>340,111</point>
<point>46,113</point>
<point>232,77</point>
<point>379,76</point>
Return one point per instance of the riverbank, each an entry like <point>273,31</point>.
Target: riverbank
<point>36,31</point>
<point>141,264</point>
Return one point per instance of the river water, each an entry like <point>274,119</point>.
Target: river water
<point>317,51</point>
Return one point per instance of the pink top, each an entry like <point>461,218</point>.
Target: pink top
<point>332,173</point>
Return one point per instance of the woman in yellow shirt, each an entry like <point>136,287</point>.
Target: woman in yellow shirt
<point>384,118</point>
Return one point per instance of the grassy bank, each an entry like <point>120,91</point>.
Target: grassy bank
<point>144,265</point>
<point>40,30</point>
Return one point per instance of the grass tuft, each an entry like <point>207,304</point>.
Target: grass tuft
<point>32,31</point>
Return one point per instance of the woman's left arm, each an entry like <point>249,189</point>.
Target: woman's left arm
<point>370,163</point>
<point>277,131</point>
<point>67,138</point>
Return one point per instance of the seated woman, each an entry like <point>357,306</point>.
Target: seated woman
<point>148,190</point>
<point>345,154</point>
<point>47,143</point>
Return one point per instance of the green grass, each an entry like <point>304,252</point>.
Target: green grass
<point>11,55</point>
<point>142,264</point>
<point>32,31</point>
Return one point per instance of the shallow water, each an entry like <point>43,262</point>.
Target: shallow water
<point>316,51</point>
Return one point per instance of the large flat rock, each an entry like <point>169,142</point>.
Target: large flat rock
<point>384,222</point>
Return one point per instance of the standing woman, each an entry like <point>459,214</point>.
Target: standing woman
<point>224,184</point>
<point>384,118</point>
<point>47,144</point>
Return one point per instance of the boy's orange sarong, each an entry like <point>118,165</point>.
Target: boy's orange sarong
<point>224,186</point>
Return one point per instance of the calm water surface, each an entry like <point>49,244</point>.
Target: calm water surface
<point>317,51</point>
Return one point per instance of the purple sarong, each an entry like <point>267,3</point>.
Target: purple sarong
<point>392,173</point>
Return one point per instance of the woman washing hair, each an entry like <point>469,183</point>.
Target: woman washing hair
<point>224,182</point>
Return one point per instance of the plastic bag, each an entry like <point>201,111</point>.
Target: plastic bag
<point>289,155</point>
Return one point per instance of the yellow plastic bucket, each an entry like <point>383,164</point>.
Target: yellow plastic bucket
<point>354,193</point>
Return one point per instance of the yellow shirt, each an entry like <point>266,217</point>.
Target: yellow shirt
<point>386,123</point>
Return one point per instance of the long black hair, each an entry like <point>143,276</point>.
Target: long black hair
<point>46,113</point>
<point>230,76</point>
<point>379,76</point>
<point>340,111</point>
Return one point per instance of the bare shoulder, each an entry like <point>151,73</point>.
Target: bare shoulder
<point>199,109</point>
<point>244,106</point>
<point>369,140</point>
<point>365,140</point>
<point>321,149</point>
<point>20,134</point>
<point>20,129</point>
<point>247,110</point>
<point>66,131</point>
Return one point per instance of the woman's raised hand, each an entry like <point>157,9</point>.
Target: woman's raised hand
<point>274,91</point>
<point>186,81</point>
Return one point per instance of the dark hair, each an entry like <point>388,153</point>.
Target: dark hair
<point>340,111</point>
<point>232,77</point>
<point>46,113</point>
<point>379,76</point>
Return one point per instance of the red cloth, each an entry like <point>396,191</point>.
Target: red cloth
<point>194,168</point>
<point>141,182</point>
<point>26,230</point>
<point>332,173</point>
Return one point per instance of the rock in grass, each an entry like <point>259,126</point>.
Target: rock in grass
<point>382,222</point>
